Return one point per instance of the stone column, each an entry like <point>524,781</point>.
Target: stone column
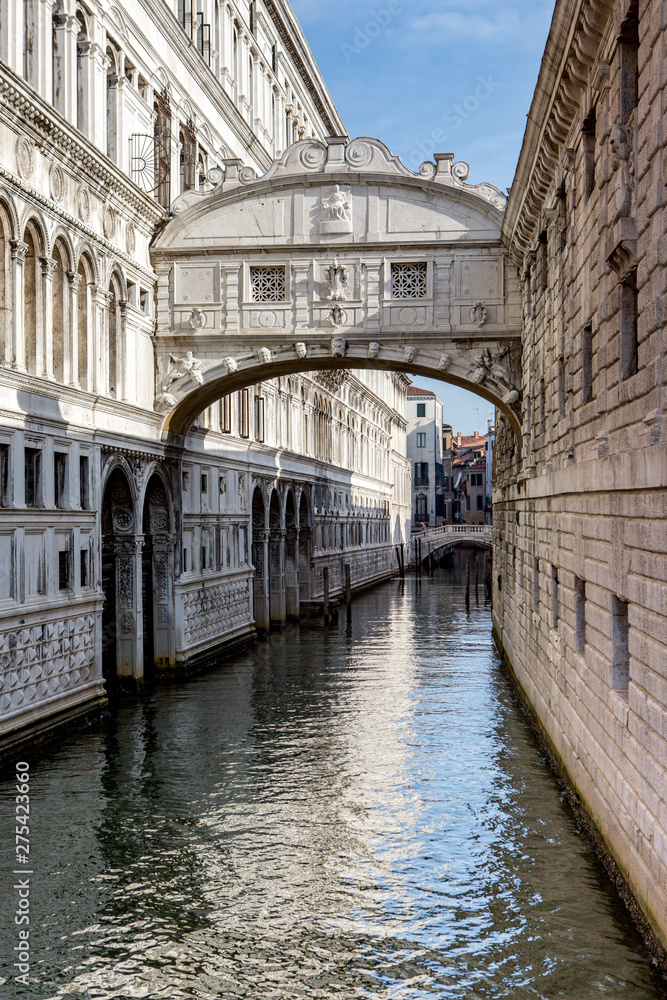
<point>11,35</point>
<point>61,99</point>
<point>260,559</point>
<point>70,67</point>
<point>100,301</point>
<point>122,352</point>
<point>98,96</point>
<point>129,644</point>
<point>305,582</point>
<point>292,573</point>
<point>72,340</point>
<point>163,602</point>
<point>230,290</point>
<point>112,138</point>
<point>44,39</point>
<point>277,576</point>
<point>84,75</point>
<point>45,342</point>
<point>19,251</point>
<point>374,297</point>
<point>300,296</point>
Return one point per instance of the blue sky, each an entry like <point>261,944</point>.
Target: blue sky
<point>451,76</point>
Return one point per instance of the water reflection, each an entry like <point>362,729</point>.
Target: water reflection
<point>354,811</point>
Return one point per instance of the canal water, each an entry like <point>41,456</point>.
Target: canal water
<point>345,812</point>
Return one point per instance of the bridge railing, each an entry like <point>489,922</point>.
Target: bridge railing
<point>444,530</point>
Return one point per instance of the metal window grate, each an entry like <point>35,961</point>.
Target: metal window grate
<point>268,284</point>
<point>408,281</point>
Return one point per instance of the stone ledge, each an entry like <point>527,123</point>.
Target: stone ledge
<point>644,921</point>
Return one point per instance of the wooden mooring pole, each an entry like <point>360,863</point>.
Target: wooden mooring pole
<point>325,579</point>
<point>348,585</point>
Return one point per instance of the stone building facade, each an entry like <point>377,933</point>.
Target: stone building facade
<point>580,578</point>
<point>116,547</point>
<point>425,451</point>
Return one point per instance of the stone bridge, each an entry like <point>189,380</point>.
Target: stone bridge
<point>448,536</point>
<point>338,257</point>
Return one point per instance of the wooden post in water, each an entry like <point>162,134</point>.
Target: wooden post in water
<point>348,585</point>
<point>325,578</point>
<point>467,583</point>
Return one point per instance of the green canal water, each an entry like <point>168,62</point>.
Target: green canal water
<point>345,812</point>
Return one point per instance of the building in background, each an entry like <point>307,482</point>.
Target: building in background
<point>490,442</point>
<point>114,546</point>
<point>469,473</point>
<point>448,471</point>
<point>425,453</point>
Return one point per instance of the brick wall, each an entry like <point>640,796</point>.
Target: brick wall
<point>580,575</point>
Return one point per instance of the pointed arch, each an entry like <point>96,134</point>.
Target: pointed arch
<point>60,307</point>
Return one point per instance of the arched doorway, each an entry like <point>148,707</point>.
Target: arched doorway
<point>156,579</point>
<point>277,612</point>
<point>119,577</point>
<point>260,561</point>
<point>291,558</point>
<point>304,550</point>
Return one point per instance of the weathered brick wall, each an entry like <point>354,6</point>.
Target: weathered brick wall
<point>580,575</point>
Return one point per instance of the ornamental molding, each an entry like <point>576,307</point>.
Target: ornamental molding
<point>344,158</point>
<point>572,58</point>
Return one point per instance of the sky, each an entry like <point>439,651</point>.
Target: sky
<point>425,76</point>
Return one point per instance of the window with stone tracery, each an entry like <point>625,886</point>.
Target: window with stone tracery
<point>268,284</point>
<point>408,281</point>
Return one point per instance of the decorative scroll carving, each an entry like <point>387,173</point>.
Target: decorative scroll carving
<point>197,319</point>
<point>478,315</point>
<point>337,316</point>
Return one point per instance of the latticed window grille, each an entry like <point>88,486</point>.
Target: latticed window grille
<point>408,281</point>
<point>268,284</point>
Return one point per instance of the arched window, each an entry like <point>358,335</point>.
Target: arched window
<point>5,294</point>
<point>31,304</point>
<point>59,309</point>
<point>217,41</point>
<point>113,337</point>
<point>162,147</point>
<point>82,83</point>
<point>251,90</point>
<point>29,41</point>
<point>201,170</point>
<point>84,324</point>
<point>235,63</point>
<point>58,43</point>
<point>114,72</point>
<point>187,158</point>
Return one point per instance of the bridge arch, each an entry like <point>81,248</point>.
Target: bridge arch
<point>339,257</point>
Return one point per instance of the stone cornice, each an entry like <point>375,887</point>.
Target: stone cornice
<point>574,40</point>
<point>295,43</point>
<point>50,127</point>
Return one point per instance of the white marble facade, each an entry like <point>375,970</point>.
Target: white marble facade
<point>115,546</point>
